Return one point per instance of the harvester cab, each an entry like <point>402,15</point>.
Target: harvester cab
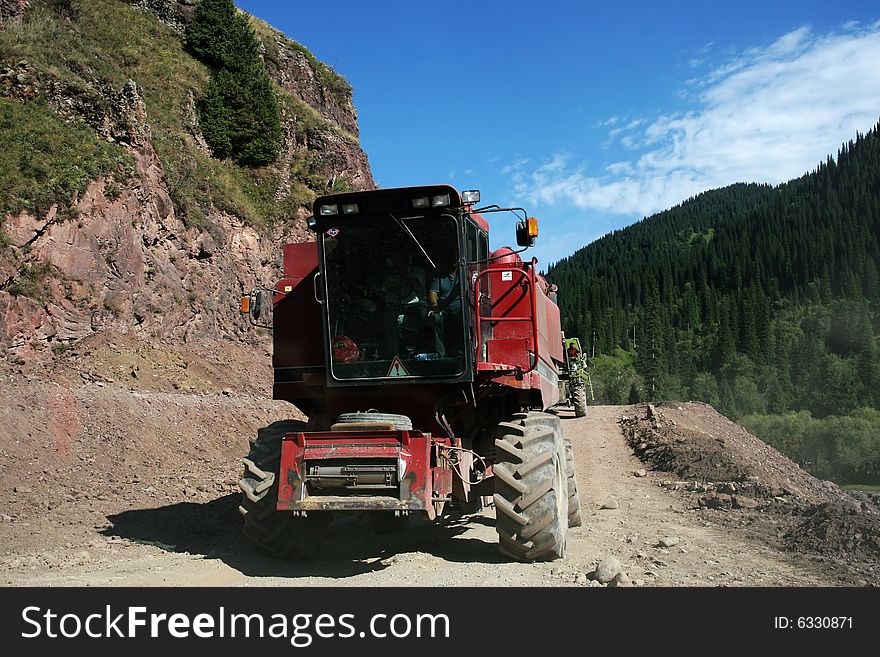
<point>425,363</point>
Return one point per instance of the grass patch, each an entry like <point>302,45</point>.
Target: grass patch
<point>31,280</point>
<point>706,237</point>
<point>868,488</point>
<point>111,41</point>
<point>44,160</point>
<point>329,79</point>
<point>59,348</point>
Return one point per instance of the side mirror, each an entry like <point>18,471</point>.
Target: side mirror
<point>523,238</point>
<point>527,231</point>
<point>251,305</point>
<point>258,306</point>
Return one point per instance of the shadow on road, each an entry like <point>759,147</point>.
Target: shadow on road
<point>351,547</point>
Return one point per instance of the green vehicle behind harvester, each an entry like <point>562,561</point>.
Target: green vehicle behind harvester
<point>574,379</point>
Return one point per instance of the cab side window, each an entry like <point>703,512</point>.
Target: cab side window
<point>471,243</point>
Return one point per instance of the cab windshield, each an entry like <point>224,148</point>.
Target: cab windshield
<point>394,298</point>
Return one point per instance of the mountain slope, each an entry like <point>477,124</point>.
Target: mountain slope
<point>756,299</point>
<point>114,214</point>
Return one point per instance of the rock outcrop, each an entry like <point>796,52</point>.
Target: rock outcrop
<point>122,257</point>
<point>288,63</point>
<point>176,13</point>
<point>116,114</point>
<point>300,76</point>
<point>129,264</point>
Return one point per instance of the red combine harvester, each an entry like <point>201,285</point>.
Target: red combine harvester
<point>426,365</point>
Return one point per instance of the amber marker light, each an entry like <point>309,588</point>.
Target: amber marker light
<point>533,226</point>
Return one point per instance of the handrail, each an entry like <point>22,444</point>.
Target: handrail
<point>527,273</point>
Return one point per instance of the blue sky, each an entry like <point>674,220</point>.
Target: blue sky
<point>592,115</point>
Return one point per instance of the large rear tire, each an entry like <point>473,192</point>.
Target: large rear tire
<point>574,501</point>
<point>579,395</point>
<point>531,495</point>
<point>273,532</point>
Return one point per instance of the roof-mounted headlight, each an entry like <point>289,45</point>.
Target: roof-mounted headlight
<point>440,201</point>
<point>470,196</point>
<point>350,208</point>
<point>329,210</point>
<point>421,202</point>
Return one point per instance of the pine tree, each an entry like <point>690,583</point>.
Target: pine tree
<point>240,118</point>
<point>651,352</point>
<point>207,36</point>
<point>238,110</point>
<point>220,37</point>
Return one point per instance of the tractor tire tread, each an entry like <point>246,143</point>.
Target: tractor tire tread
<point>531,496</point>
<point>272,532</point>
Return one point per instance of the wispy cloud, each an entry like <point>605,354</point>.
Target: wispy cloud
<point>516,169</point>
<point>625,135</point>
<point>611,120</point>
<point>765,115</point>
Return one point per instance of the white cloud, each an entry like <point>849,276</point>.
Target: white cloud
<point>626,130</point>
<point>611,120</point>
<point>620,168</point>
<point>766,115</point>
<point>515,169</point>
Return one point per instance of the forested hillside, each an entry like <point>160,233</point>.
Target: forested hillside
<point>763,301</point>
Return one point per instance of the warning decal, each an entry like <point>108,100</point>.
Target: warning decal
<point>397,368</point>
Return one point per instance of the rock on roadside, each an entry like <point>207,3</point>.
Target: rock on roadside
<point>607,570</point>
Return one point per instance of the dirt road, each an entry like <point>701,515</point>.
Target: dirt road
<point>194,539</point>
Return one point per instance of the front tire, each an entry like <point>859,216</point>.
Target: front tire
<point>580,399</point>
<point>273,532</point>
<point>531,494</point>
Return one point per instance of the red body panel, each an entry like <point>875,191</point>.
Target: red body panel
<point>420,484</point>
<point>298,340</point>
<point>480,221</point>
<point>524,329</point>
<point>549,326</point>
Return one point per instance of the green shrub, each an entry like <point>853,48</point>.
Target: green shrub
<point>843,448</point>
<point>59,348</point>
<point>31,280</point>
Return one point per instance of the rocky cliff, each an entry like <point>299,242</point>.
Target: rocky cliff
<point>162,242</point>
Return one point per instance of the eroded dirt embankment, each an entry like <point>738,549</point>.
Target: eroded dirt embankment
<point>721,466</point>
